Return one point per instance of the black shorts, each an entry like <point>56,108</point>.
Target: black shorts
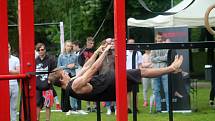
<point>133,78</point>
<point>39,98</point>
<point>101,82</point>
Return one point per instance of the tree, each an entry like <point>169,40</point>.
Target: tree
<point>81,18</point>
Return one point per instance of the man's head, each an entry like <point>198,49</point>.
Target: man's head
<point>76,45</point>
<point>159,37</point>
<point>131,41</point>
<point>41,49</point>
<point>110,41</point>
<point>55,77</point>
<point>58,77</point>
<point>90,42</point>
<point>67,47</point>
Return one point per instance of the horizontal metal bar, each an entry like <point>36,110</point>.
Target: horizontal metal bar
<point>154,46</point>
<point>37,24</point>
<point>17,76</point>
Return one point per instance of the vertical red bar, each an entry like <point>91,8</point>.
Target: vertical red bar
<point>26,45</point>
<point>4,84</point>
<point>120,59</point>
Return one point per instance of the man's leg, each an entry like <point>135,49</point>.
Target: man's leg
<point>38,113</point>
<point>56,99</point>
<point>79,104</point>
<point>108,106</point>
<point>40,102</point>
<point>74,103</point>
<point>13,101</point>
<point>164,80</point>
<point>154,72</point>
<point>212,92</point>
<point>129,102</point>
<point>88,106</point>
<point>145,83</point>
<point>156,92</point>
<point>48,113</point>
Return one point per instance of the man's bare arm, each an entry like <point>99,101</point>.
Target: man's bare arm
<point>90,62</point>
<point>83,80</point>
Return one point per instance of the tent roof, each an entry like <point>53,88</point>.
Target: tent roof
<point>193,16</point>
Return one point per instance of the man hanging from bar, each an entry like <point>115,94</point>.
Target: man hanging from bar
<point>89,85</point>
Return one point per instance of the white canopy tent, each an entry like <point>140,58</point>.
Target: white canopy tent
<point>193,16</point>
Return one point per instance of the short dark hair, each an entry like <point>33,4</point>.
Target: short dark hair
<point>76,43</point>
<point>90,39</point>
<point>55,76</point>
<point>39,45</point>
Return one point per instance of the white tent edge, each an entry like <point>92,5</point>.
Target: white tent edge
<point>193,16</point>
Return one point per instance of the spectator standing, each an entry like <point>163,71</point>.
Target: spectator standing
<point>85,55</point>
<point>44,91</point>
<point>69,61</point>
<point>76,48</point>
<point>146,81</point>
<point>133,61</point>
<point>14,68</point>
<point>106,65</point>
<point>159,60</point>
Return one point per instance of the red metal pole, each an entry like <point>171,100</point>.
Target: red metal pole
<point>18,76</point>
<point>120,48</point>
<point>26,45</point>
<point>4,85</point>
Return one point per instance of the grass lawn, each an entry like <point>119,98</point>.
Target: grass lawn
<point>203,112</point>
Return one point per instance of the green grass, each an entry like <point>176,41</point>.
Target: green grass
<point>203,113</point>
<point>199,62</point>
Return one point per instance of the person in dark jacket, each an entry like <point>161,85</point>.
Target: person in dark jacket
<point>44,91</point>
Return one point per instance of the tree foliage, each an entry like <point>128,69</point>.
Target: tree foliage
<point>81,18</point>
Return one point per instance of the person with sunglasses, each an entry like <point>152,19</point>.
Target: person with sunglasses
<point>45,92</point>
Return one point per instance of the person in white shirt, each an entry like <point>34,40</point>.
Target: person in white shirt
<point>14,68</point>
<point>138,62</point>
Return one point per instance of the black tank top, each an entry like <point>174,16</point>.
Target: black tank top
<point>103,88</point>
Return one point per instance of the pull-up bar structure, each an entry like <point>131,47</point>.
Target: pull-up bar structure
<point>18,76</point>
<point>120,60</point>
<point>172,45</point>
<point>4,85</point>
<point>26,49</point>
<point>61,26</point>
<point>26,44</point>
<point>27,64</point>
<point>37,24</point>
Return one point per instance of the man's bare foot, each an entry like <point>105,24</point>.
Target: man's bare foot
<point>177,64</point>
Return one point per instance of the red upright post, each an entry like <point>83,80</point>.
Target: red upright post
<point>120,59</point>
<point>26,45</point>
<point>4,85</point>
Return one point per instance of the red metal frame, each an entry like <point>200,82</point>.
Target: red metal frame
<point>4,85</point>
<point>26,45</point>
<point>120,59</point>
<point>26,37</point>
<point>18,76</point>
